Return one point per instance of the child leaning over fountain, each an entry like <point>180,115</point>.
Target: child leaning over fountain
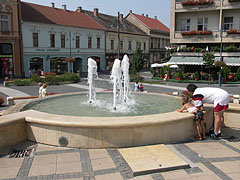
<point>198,118</point>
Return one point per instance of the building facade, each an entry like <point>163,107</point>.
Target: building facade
<point>206,26</point>
<point>159,35</point>
<point>130,36</point>
<point>10,39</point>
<point>52,36</point>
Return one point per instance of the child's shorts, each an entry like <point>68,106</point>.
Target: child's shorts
<point>198,116</point>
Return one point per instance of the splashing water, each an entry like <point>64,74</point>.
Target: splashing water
<point>125,78</point>
<point>92,76</point>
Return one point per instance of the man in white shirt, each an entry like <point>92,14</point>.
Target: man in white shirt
<point>40,89</point>
<point>216,96</point>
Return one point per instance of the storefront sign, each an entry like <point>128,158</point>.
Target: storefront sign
<point>40,49</point>
<point>53,49</point>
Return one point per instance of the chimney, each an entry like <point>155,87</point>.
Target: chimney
<point>53,5</point>
<point>79,9</point>
<point>64,7</point>
<point>120,17</point>
<point>95,12</point>
<point>155,17</point>
<point>142,14</point>
<point>130,11</point>
<point>146,15</point>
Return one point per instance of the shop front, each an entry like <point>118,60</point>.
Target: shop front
<point>6,61</point>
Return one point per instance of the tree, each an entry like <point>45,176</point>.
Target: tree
<point>137,61</point>
<point>208,59</point>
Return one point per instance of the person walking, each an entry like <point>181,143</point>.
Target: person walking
<point>216,96</point>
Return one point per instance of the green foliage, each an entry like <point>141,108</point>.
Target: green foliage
<point>231,49</point>
<point>180,75</point>
<point>185,76</point>
<point>52,80</point>
<point>208,59</point>
<point>71,77</point>
<point>136,77</point>
<point>161,72</point>
<point>213,75</point>
<point>169,72</point>
<point>23,82</point>
<point>138,59</point>
<point>196,75</point>
<point>36,78</point>
<point>225,71</point>
<point>215,49</point>
<point>238,73</point>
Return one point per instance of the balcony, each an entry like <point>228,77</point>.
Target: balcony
<point>199,5</point>
<point>231,4</point>
<point>210,37</point>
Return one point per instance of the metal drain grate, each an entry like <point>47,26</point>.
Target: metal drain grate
<point>14,153</point>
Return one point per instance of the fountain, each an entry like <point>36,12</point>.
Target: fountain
<point>110,119</point>
<point>92,76</point>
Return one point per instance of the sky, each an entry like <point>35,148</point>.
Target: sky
<point>159,8</point>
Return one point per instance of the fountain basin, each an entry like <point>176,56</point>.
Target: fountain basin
<point>98,132</point>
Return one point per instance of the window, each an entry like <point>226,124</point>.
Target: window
<point>35,39</point>
<point>228,23</point>
<point>151,43</point>
<point>98,43</point>
<point>112,44</point>
<point>89,42</point>
<point>202,24</point>
<point>62,41</point>
<point>121,45</point>
<point>52,40</point>
<point>163,41</point>
<point>77,42</point>
<point>158,43</point>
<point>4,22</point>
<point>185,24</point>
<point>144,46</point>
<point>129,45</point>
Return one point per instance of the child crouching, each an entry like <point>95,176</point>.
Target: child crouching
<point>198,118</point>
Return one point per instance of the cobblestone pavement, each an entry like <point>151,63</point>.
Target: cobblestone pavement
<point>209,159</point>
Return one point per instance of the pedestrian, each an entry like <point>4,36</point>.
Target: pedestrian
<point>136,86</point>
<point>40,86</point>
<point>44,90</point>
<point>30,73</point>
<point>165,77</point>
<point>216,96</point>
<point>141,87</point>
<point>198,115</point>
<point>10,74</point>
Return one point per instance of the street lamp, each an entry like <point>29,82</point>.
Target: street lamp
<point>221,58</point>
<point>118,35</point>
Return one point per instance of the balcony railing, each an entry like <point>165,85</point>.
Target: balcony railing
<point>197,2</point>
<point>194,32</point>
<point>233,31</point>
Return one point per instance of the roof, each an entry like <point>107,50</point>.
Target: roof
<point>152,23</point>
<point>110,23</point>
<point>44,14</point>
<point>230,61</point>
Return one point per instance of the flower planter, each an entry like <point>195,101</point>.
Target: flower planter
<point>194,32</point>
<point>233,31</point>
<point>196,2</point>
<point>212,80</point>
<point>178,79</point>
<point>196,79</point>
<point>169,77</point>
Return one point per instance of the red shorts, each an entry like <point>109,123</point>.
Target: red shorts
<point>219,108</point>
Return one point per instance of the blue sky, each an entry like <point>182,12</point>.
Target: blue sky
<point>159,8</point>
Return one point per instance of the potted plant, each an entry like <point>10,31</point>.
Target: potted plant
<point>161,73</point>
<point>213,76</point>
<point>196,76</point>
<point>233,31</point>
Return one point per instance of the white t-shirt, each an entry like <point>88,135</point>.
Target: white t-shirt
<point>40,92</point>
<point>210,95</point>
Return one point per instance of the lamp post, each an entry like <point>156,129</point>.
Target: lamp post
<point>221,58</point>
<point>118,36</point>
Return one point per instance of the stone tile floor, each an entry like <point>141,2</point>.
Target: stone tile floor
<point>210,159</point>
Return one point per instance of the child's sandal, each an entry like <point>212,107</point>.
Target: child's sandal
<point>198,137</point>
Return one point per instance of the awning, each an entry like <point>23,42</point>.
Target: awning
<point>157,65</point>
<point>185,60</point>
<point>230,61</point>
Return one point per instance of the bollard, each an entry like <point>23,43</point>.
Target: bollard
<point>10,101</point>
<point>236,99</point>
